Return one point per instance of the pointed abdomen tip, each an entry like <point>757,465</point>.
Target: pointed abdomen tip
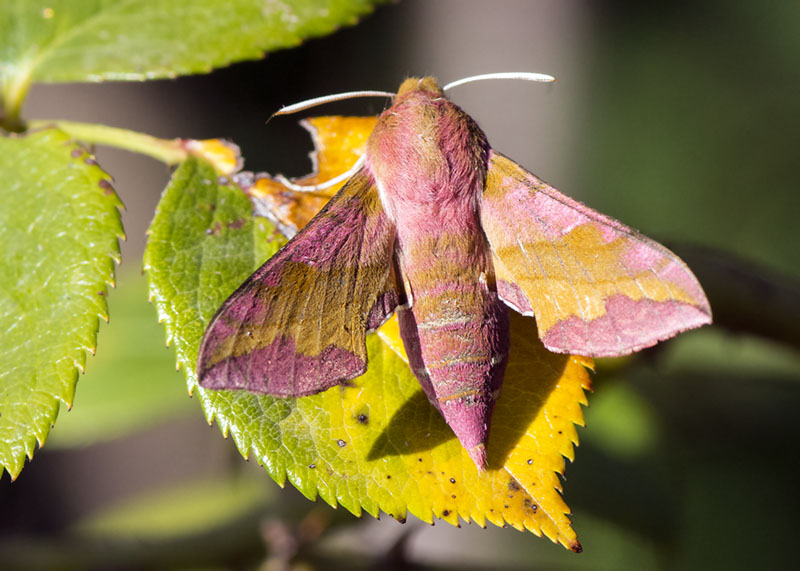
<point>478,455</point>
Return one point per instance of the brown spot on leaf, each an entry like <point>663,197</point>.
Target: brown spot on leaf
<point>106,186</point>
<point>236,224</point>
<point>312,466</point>
<point>445,513</point>
<point>341,443</point>
<point>530,506</point>
<point>514,486</point>
<point>452,480</point>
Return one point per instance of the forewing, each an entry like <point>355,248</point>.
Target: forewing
<point>596,287</point>
<point>297,325</point>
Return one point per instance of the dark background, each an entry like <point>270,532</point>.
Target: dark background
<point>681,120</point>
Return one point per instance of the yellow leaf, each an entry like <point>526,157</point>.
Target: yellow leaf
<point>225,156</point>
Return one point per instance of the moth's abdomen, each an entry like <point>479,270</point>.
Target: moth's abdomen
<point>429,161</point>
<point>456,333</point>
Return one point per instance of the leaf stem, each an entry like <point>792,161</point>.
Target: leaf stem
<point>169,151</point>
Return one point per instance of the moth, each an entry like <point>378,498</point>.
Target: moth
<point>451,235</point>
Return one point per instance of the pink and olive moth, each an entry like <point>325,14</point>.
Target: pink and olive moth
<point>450,234</point>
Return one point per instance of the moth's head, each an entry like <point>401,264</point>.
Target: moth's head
<point>420,84</point>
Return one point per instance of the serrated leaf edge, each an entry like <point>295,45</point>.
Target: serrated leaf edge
<point>114,255</point>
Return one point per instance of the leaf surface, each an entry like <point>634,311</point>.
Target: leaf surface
<point>59,231</point>
<point>376,444</point>
<point>94,40</point>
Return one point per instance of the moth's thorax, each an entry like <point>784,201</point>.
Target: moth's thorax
<point>429,159</point>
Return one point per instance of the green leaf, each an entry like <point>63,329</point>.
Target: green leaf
<point>59,230</point>
<point>130,385</point>
<point>376,443</point>
<point>94,40</point>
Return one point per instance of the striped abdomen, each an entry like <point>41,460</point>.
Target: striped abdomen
<point>456,332</point>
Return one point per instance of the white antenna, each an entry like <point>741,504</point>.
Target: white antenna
<point>323,185</point>
<point>528,76</point>
<point>309,103</point>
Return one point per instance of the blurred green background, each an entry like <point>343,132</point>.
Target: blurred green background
<point>682,120</point>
